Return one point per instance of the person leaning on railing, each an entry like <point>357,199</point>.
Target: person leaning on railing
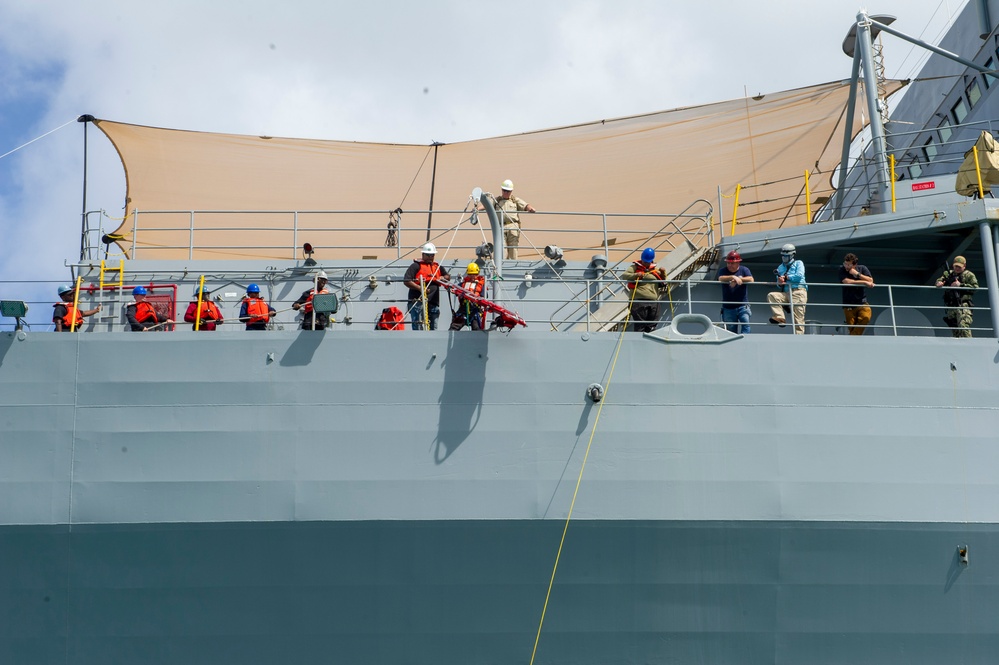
<point>735,294</point>
<point>959,297</point>
<point>857,278</point>
<point>208,316</point>
<point>254,310</point>
<point>311,319</point>
<point>66,316</point>
<point>141,314</point>
<point>793,290</point>
<point>645,280</point>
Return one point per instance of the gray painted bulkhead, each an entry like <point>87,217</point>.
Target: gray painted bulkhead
<point>398,498</point>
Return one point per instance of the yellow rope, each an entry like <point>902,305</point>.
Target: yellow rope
<point>579,480</point>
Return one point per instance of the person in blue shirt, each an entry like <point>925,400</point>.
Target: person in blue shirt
<point>735,294</point>
<point>793,290</point>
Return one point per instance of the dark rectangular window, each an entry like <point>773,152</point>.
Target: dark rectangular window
<point>945,131</point>
<point>930,149</point>
<point>960,110</point>
<point>974,91</point>
<point>986,79</point>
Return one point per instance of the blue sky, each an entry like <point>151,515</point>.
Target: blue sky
<point>435,70</point>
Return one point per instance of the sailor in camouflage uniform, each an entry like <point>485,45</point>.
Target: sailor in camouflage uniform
<point>959,298</point>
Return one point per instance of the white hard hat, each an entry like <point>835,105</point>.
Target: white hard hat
<point>322,275</point>
<point>507,185</point>
<point>430,248</point>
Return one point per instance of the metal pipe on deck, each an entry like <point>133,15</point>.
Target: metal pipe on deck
<point>865,42</point>
<point>86,119</point>
<point>844,165</point>
<point>984,19</point>
<point>489,203</point>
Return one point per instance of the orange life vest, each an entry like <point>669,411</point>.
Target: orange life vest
<point>428,272</point>
<point>391,318</point>
<point>257,310</point>
<point>307,308</point>
<point>641,269</point>
<point>208,311</point>
<point>144,311</point>
<point>475,284</point>
<point>71,313</point>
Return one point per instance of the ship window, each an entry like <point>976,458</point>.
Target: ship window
<point>986,79</point>
<point>974,91</point>
<point>915,170</point>
<point>945,131</point>
<point>930,149</point>
<point>960,110</point>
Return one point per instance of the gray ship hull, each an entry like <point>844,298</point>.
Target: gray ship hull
<point>400,497</point>
<point>471,592</point>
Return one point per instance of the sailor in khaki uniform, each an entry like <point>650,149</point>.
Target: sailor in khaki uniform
<point>509,207</point>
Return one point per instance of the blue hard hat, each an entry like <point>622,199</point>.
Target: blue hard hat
<point>648,255</point>
<point>64,288</point>
<point>253,288</point>
<point>139,291</point>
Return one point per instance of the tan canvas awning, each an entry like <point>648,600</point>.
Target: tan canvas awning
<point>653,163</point>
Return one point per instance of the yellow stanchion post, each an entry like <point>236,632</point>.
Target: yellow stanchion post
<point>978,172</point>
<point>197,312</point>
<point>891,166</point>
<point>808,200</point>
<point>76,303</point>
<point>735,207</point>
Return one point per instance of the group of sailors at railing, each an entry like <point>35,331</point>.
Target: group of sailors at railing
<point>646,287</point>
<point>255,313</point>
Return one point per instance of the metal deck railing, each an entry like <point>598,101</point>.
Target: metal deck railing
<point>898,309</point>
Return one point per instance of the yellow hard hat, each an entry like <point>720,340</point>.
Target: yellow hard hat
<point>472,269</point>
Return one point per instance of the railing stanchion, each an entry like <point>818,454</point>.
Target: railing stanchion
<point>589,288</point>
<point>891,308</point>
<point>603,222</point>
<point>135,230</point>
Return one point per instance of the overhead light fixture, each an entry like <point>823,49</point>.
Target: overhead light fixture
<point>307,249</point>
